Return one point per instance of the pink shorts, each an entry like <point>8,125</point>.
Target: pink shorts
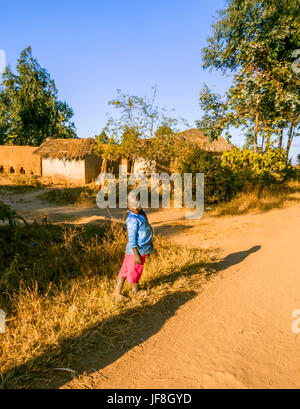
<point>130,270</point>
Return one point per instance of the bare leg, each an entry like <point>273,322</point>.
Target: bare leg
<point>117,293</point>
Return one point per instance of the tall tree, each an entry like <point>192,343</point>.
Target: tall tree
<point>30,110</point>
<point>141,129</point>
<point>255,40</point>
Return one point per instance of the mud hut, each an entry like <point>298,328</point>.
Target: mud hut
<point>196,138</point>
<point>71,159</point>
<point>190,138</point>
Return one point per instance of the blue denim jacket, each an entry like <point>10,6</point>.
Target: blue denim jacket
<point>140,233</point>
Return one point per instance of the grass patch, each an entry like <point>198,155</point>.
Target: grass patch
<point>260,200</point>
<point>14,189</point>
<point>20,184</point>
<point>56,285</point>
<point>71,195</point>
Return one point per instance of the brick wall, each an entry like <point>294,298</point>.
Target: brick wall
<point>19,160</point>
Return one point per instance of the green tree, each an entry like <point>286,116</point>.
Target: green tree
<point>29,107</point>
<point>255,40</point>
<point>141,129</point>
<point>216,116</point>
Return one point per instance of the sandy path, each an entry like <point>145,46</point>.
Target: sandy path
<point>237,332</point>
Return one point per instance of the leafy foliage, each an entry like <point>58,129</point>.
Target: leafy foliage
<point>255,40</point>
<point>236,170</point>
<point>7,214</point>
<point>270,167</point>
<point>141,128</point>
<point>215,118</point>
<point>29,107</point>
<point>217,181</point>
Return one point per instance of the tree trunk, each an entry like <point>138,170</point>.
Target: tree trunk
<point>256,116</point>
<point>280,139</point>
<point>262,142</point>
<point>290,138</point>
<point>256,131</point>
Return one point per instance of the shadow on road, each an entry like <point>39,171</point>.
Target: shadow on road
<point>207,269</point>
<point>107,341</point>
<point>233,259</point>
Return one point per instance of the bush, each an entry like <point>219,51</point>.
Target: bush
<point>9,215</point>
<point>218,180</point>
<point>267,168</point>
<point>236,171</point>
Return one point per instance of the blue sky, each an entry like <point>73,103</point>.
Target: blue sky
<point>93,47</point>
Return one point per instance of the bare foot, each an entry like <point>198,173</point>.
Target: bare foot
<point>140,293</point>
<point>119,296</point>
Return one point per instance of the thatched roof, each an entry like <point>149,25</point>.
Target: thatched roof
<point>197,138</point>
<point>65,148</point>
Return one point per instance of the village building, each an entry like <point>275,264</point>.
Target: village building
<point>190,138</point>
<point>196,138</point>
<point>19,160</point>
<point>75,160</point>
<point>71,159</point>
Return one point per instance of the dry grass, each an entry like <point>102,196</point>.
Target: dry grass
<point>260,200</point>
<point>56,289</point>
<point>80,195</point>
<point>20,184</point>
<point>62,193</point>
<point>14,184</point>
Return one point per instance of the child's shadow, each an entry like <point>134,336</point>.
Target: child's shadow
<point>233,259</point>
<point>100,344</point>
<point>207,269</point>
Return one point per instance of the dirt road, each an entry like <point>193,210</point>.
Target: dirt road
<point>237,332</point>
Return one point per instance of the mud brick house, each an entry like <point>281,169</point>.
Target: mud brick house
<point>20,160</point>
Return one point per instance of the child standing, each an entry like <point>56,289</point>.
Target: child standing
<point>139,245</point>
